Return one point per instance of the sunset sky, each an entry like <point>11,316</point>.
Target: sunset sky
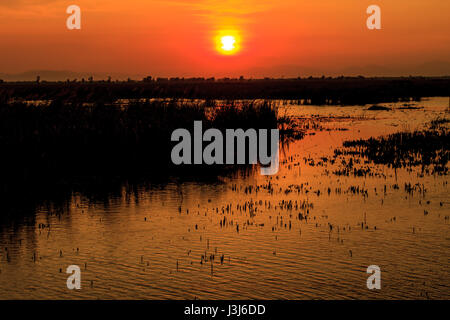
<point>177,37</point>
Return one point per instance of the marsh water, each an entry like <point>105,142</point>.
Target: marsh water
<point>304,233</point>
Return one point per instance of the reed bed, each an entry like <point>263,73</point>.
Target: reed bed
<point>428,149</point>
<point>61,139</point>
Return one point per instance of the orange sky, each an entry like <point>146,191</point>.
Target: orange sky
<point>176,37</point>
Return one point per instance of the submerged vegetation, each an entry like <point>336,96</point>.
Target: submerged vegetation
<point>428,149</point>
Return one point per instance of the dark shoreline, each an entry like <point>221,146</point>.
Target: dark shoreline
<point>307,91</point>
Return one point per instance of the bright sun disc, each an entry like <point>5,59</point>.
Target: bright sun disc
<point>228,43</point>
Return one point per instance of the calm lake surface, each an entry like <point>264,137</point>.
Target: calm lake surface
<point>158,241</point>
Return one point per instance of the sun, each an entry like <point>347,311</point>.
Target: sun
<point>228,42</point>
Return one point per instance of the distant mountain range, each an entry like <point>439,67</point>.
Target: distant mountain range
<point>435,68</point>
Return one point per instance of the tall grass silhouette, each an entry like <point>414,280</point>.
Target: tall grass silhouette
<point>61,139</point>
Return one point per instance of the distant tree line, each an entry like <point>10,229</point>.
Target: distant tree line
<point>316,91</point>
